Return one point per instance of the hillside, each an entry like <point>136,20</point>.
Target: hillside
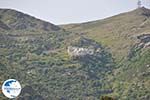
<point>86,61</point>
<point>16,20</point>
<point>117,32</point>
<point>38,58</point>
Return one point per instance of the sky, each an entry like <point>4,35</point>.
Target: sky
<point>72,11</point>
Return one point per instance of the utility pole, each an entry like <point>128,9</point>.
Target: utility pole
<point>139,4</point>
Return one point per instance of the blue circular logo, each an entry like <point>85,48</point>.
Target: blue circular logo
<point>11,88</point>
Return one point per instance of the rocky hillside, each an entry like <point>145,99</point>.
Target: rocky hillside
<point>15,20</point>
<point>88,61</point>
<point>37,56</point>
<point>118,32</point>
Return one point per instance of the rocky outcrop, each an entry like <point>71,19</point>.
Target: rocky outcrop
<point>144,40</point>
<point>83,47</point>
<point>79,51</point>
<point>143,43</point>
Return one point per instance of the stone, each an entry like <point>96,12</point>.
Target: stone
<point>77,51</point>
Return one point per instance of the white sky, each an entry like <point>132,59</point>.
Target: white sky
<point>72,11</point>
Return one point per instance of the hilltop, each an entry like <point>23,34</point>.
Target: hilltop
<point>16,20</point>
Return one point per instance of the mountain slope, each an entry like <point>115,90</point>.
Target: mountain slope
<point>39,59</point>
<point>85,61</point>
<point>20,21</point>
<point>131,80</point>
<point>118,32</point>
